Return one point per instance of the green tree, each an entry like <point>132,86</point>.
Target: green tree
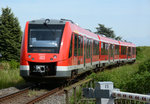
<point>118,38</point>
<point>108,32</point>
<point>10,35</point>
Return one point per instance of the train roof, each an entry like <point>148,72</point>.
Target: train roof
<point>129,44</point>
<point>108,40</point>
<point>47,21</point>
<point>84,32</point>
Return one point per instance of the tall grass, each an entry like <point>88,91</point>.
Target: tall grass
<point>9,76</point>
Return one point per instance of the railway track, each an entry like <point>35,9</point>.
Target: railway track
<point>45,95</point>
<point>21,97</point>
<point>10,96</point>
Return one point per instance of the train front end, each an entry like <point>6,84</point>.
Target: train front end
<point>40,49</point>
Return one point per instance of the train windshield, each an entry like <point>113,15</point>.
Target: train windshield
<point>44,38</point>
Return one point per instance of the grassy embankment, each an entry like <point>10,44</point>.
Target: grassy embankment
<point>130,77</point>
<point>9,74</point>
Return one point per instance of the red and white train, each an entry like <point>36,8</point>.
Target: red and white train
<point>62,49</point>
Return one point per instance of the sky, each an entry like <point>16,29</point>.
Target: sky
<point>129,19</point>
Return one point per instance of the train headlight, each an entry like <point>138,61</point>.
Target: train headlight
<point>55,56</point>
<point>29,56</point>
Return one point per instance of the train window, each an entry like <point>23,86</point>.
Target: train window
<point>44,38</point>
<point>102,45</point>
<point>116,49</point>
<point>94,45</point>
<point>81,46</point>
<point>129,51</point>
<point>75,44</point>
<point>123,50</point>
<point>104,48</point>
<point>91,47</point>
<point>111,50</point>
<point>97,48</point>
<point>70,51</point>
<point>87,48</point>
<point>134,51</point>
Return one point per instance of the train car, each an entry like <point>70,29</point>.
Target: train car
<point>131,54</point>
<point>109,51</point>
<point>57,48</point>
<point>127,52</point>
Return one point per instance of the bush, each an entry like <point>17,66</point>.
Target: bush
<point>139,83</point>
<point>138,53</point>
<point>14,64</point>
<point>144,66</point>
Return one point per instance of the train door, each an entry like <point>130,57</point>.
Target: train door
<point>71,50</point>
<point>75,58</point>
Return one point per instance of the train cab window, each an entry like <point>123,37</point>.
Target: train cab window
<point>123,50</point>
<point>75,44</point>
<point>44,38</point>
<point>116,49</point>
<point>70,50</point>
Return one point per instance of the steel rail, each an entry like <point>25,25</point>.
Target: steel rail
<point>10,96</point>
<point>44,96</point>
<point>58,90</point>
